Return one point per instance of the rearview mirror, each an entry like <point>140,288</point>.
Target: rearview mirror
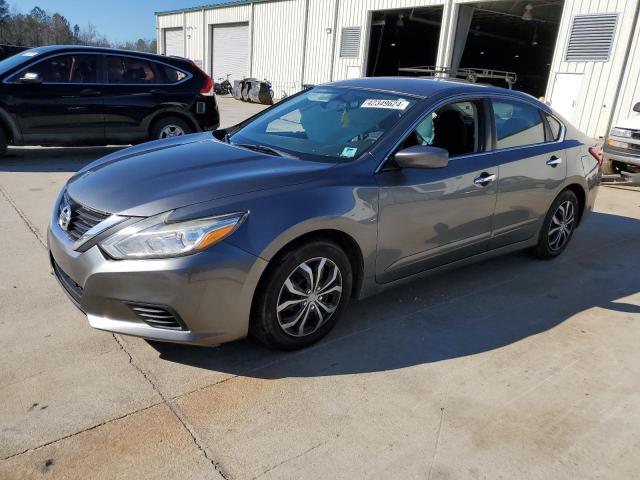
<point>422,156</point>
<point>31,78</point>
<point>636,107</point>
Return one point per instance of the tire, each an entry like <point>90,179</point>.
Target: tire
<point>164,127</point>
<point>558,226</point>
<point>4,142</point>
<point>310,314</point>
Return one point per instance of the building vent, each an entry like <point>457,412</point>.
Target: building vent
<point>591,37</point>
<point>350,42</point>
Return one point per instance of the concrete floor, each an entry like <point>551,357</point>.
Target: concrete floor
<point>512,368</point>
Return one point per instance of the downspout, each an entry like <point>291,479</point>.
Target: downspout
<point>204,42</point>
<point>251,41</point>
<point>333,44</point>
<point>184,34</point>
<point>304,42</point>
<point>627,53</point>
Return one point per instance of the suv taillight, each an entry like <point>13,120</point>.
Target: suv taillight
<point>208,84</point>
<point>596,152</point>
<point>208,81</point>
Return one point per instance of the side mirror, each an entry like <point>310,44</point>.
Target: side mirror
<point>636,107</point>
<point>422,156</point>
<point>31,78</point>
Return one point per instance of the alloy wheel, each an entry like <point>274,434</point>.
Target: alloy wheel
<point>309,297</point>
<point>561,226</point>
<point>171,131</point>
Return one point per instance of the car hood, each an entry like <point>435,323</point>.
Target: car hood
<point>632,123</point>
<point>159,176</point>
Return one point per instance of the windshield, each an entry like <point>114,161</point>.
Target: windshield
<point>17,59</point>
<point>326,123</point>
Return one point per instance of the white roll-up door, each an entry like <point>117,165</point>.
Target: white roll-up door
<point>174,42</point>
<point>230,51</point>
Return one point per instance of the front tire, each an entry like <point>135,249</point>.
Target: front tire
<point>4,142</point>
<point>169,127</point>
<point>558,226</point>
<point>302,297</point>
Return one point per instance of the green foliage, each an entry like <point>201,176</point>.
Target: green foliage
<point>38,28</point>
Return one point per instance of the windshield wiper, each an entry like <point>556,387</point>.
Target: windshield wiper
<point>264,149</point>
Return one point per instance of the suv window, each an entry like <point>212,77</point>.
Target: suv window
<point>170,74</point>
<point>65,69</point>
<point>454,127</point>
<point>517,124</point>
<point>128,70</point>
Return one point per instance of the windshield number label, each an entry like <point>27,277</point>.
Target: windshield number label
<point>349,152</point>
<point>381,103</point>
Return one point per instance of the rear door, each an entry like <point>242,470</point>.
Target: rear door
<point>532,164</point>
<point>137,88</point>
<point>67,107</point>
<point>430,217</point>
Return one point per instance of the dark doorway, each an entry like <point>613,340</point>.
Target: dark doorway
<point>403,38</point>
<point>515,36</point>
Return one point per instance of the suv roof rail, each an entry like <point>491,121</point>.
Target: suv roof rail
<point>471,75</point>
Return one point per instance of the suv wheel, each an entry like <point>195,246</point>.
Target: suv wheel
<point>302,298</point>
<point>558,226</point>
<point>169,127</point>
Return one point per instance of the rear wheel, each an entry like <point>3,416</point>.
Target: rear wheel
<point>169,127</point>
<point>302,297</point>
<point>558,226</point>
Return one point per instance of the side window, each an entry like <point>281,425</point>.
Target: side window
<point>170,74</point>
<point>65,69</point>
<point>128,70</point>
<point>454,127</point>
<point>555,127</point>
<point>517,124</point>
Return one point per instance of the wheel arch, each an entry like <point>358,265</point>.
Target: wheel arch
<point>580,193</point>
<point>172,112</point>
<point>8,124</point>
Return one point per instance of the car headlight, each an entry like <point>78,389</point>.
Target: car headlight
<point>616,144</point>
<point>153,237</point>
<point>621,132</point>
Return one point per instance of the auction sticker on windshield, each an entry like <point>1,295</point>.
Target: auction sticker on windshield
<point>382,103</point>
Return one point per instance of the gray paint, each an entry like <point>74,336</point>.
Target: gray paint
<point>406,223</point>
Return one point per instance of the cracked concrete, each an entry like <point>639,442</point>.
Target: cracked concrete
<point>511,368</point>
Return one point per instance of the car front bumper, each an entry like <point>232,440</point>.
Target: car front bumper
<point>210,292</point>
<point>631,157</point>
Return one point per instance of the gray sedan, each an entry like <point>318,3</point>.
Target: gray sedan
<point>270,227</point>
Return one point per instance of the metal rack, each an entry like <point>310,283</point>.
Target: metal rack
<point>471,75</point>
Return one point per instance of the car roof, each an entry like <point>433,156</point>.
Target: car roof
<point>88,49</point>
<point>432,87</point>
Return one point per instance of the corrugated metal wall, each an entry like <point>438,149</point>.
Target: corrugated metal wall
<point>280,46</point>
<point>596,101</point>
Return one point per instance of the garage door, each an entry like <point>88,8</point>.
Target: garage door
<point>174,42</point>
<point>230,51</point>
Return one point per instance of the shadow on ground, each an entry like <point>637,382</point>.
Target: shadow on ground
<point>52,159</point>
<point>464,312</point>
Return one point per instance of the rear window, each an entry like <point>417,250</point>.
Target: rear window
<point>517,124</point>
<point>130,71</point>
<point>555,127</point>
<point>170,74</point>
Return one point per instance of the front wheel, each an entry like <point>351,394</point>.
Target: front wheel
<point>558,226</point>
<point>169,127</point>
<point>302,297</point>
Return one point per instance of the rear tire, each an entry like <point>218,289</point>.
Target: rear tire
<point>302,297</point>
<point>558,226</point>
<point>168,127</point>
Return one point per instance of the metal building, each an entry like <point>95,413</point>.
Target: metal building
<point>583,56</point>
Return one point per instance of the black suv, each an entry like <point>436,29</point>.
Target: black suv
<point>76,95</point>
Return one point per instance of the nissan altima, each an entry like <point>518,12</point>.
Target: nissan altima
<point>272,226</point>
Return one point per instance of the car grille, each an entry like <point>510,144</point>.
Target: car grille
<point>635,134</point>
<point>157,316</point>
<point>72,288</point>
<point>82,218</point>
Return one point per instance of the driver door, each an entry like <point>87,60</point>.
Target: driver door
<point>431,217</point>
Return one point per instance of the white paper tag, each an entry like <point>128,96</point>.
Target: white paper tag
<point>382,103</point>
<point>349,152</point>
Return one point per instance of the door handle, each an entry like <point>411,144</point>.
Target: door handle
<point>89,91</point>
<point>554,161</point>
<point>484,179</point>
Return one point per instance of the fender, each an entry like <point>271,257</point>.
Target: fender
<point>9,122</point>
